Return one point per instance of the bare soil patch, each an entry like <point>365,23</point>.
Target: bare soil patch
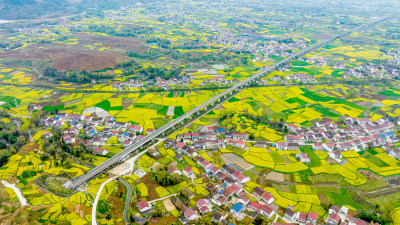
<point>126,43</point>
<point>67,57</point>
<point>126,103</point>
<point>275,176</point>
<point>232,158</point>
<point>151,185</point>
<point>379,97</point>
<point>169,206</point>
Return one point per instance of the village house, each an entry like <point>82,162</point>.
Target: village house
<point>290,214</point>
<point>312,217</point>
<point>303,157</point>
<point>100,151</point>
<point>144,207</point>
<point>236,209</point>
<point>190,215</point>
<point>188,172</point>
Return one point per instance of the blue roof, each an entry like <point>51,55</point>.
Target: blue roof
<point>237,207</point>
<point>230,164</point>
<point>383,135</point>
<point>273,145</point>
<point>390,133</point>
<point>220,129</point>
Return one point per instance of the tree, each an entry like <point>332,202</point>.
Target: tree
<point>251,137</point>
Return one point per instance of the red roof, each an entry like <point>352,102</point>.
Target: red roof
<point>180,144</point>
<point>335,217</point>
<point>268,210</point>
<point>240,142</point>
<point>303,216</point>
<point>98,150</point>
<point>201,202</point>
<point>255,205</point>
<point>188,169</point>
<point>312,215</point>
<point>238,175</point>
<point>267,196</point>
<point>236,188</point>
<point>189,213</point>
<point>142,204</point>
<point>204,209</point>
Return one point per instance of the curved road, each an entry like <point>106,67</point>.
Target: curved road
<point>96,200</point>
<point>229,92</point>
<point>127,200</point>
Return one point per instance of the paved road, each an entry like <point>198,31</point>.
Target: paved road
<point>21,198</point>
<point>96,200</point>
<point>128,198</point>
<point>227,93</point>
<point>163,198</point>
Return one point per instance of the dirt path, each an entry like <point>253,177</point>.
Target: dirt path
<point>21,198</point>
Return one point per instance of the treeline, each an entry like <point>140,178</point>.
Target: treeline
<point>79,77</point>
<point>164,178</point>
<point>373,217</point>
<point>10,45</point>
<point>163,43</point>
<point>127,31</point>
<point>14,135</point>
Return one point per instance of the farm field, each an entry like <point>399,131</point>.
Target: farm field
<point>82,84</point>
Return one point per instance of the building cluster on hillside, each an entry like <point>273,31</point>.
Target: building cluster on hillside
<point>336,215</point>
<point>157,82</point>
<point>396,58</point>
<point>372,70</point>
<point>227,189</point>
<point>97,129</point>
<point>317,60</point>
<point>355,134</point>
<point>246,42</point>
<point>301,77</point>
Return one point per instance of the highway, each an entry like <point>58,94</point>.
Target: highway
<point>211,102</point>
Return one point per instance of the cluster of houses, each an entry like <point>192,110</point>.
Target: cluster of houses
<point>372,70</point>
<point>218,80</point>
<point>333,137</point>
<point>341,215</point>
<point>299,217</point>
<point>336,215</point>
<point>98,129</point>
<point>319,61</point>
<point>228,189</point>
<point>157,82</point>
<point>301,77</point>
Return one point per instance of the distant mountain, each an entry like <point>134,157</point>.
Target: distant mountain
<point>29,9</point>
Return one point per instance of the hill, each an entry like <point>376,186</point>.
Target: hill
<point>29,9</point>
